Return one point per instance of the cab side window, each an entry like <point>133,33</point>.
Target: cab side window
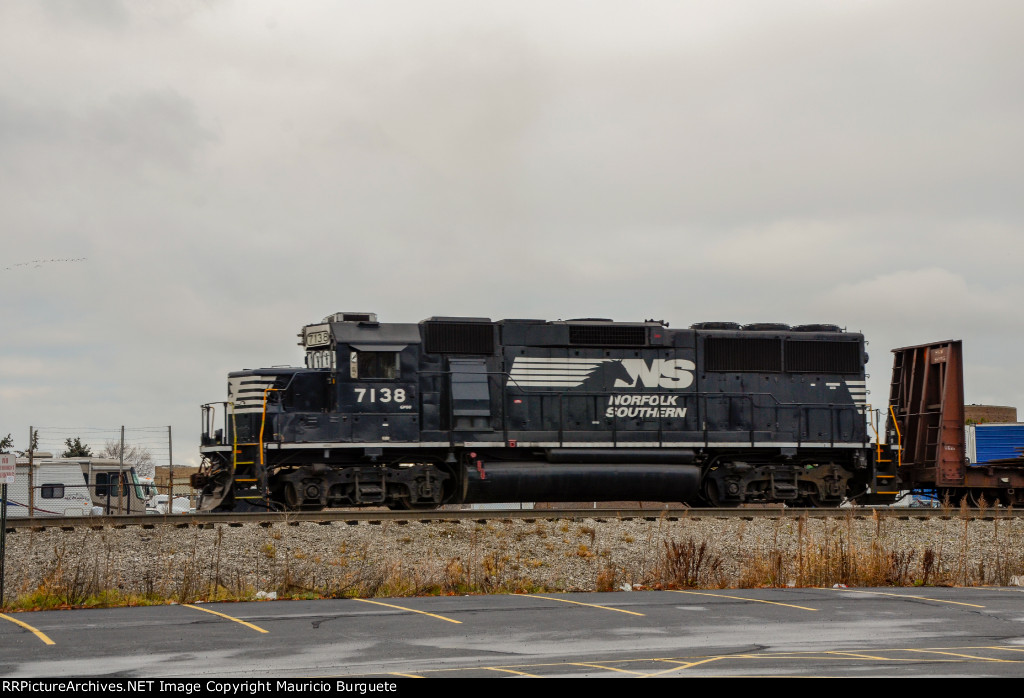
<point>374,365</point>
<point>107,483</point>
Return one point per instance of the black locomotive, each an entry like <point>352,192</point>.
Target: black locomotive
<point>457,410</point>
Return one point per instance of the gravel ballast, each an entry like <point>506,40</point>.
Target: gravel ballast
<point>581,554</point>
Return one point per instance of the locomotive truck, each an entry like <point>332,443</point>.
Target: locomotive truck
<point>457,410</point>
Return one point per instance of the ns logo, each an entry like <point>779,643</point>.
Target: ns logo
<point>662,373</point>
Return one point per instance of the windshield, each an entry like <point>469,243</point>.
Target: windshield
<point>140,490</point>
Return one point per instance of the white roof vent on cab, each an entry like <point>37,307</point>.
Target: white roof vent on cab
<point>351,317</point>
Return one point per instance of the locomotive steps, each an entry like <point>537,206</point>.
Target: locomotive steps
<point>118,562</point>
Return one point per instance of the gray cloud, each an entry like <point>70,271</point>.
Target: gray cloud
<point>233,171</point>
<point>107,14</point>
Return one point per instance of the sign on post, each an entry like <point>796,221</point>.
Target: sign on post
<point>8,463</point>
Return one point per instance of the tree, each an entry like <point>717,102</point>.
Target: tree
<point>33,443</point>
<point>76,449</point>
<point>6,443</point>
<point>137,456</point>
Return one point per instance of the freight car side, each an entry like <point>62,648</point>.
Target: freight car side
<point>926,422</point>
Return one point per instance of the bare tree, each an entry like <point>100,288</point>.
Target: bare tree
<point>137,456</point>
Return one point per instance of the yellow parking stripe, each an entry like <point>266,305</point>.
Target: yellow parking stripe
<point>743,598</point>
<point>223,615</point>
<point>411,610</point>
<point>580,603</point>
<point>905,596</point>
<point>682,666</point>
<point>607,668</point>
<point>933,655</point>
<point>511,671</point>
<point>965,656</point>
<point>408,676</point>
<point>859,655</point>
<point>41,635</point>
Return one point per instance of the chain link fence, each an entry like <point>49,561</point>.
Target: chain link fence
<point>78,470</point>
<point>144,447</point>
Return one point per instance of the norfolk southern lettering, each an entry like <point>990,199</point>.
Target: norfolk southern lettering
<point>647,406</point>
<point>470,410</point>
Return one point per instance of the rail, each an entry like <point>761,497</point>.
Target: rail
<point>350,517</point>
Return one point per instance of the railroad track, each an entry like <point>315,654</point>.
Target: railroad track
<point>353,517</point>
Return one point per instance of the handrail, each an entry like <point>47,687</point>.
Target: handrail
<point>263,421</point>
<point>231,405</point>
<point>209,423</point>
<point>899,439</point>
<point>234,440</point>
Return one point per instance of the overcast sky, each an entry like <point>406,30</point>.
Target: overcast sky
<point>216,174</point>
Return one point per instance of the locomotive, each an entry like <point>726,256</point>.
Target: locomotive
<point>456,410</point>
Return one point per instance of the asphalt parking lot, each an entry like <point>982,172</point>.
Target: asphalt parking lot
<point>765,632</point>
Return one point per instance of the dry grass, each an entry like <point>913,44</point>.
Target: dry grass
<point>690,564</point>
<point>835,555</point>
<point>971,547</point>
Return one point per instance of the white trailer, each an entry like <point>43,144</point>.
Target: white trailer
<point>60,490</point>
<point>77,486</point>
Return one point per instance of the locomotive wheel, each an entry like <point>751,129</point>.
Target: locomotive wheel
<point>713,497</point>
<point>290,496</point>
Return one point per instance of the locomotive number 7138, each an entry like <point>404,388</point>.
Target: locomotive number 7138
<point>380,395</point>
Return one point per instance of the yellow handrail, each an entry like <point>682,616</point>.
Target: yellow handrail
<point>234,440</point>
<point>899,439</point>
<point>264,421</point>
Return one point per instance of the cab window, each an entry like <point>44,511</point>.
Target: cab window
<point>106,483</point>
<point>374,365</point>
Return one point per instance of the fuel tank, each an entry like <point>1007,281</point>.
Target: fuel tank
<point>496,481</point>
